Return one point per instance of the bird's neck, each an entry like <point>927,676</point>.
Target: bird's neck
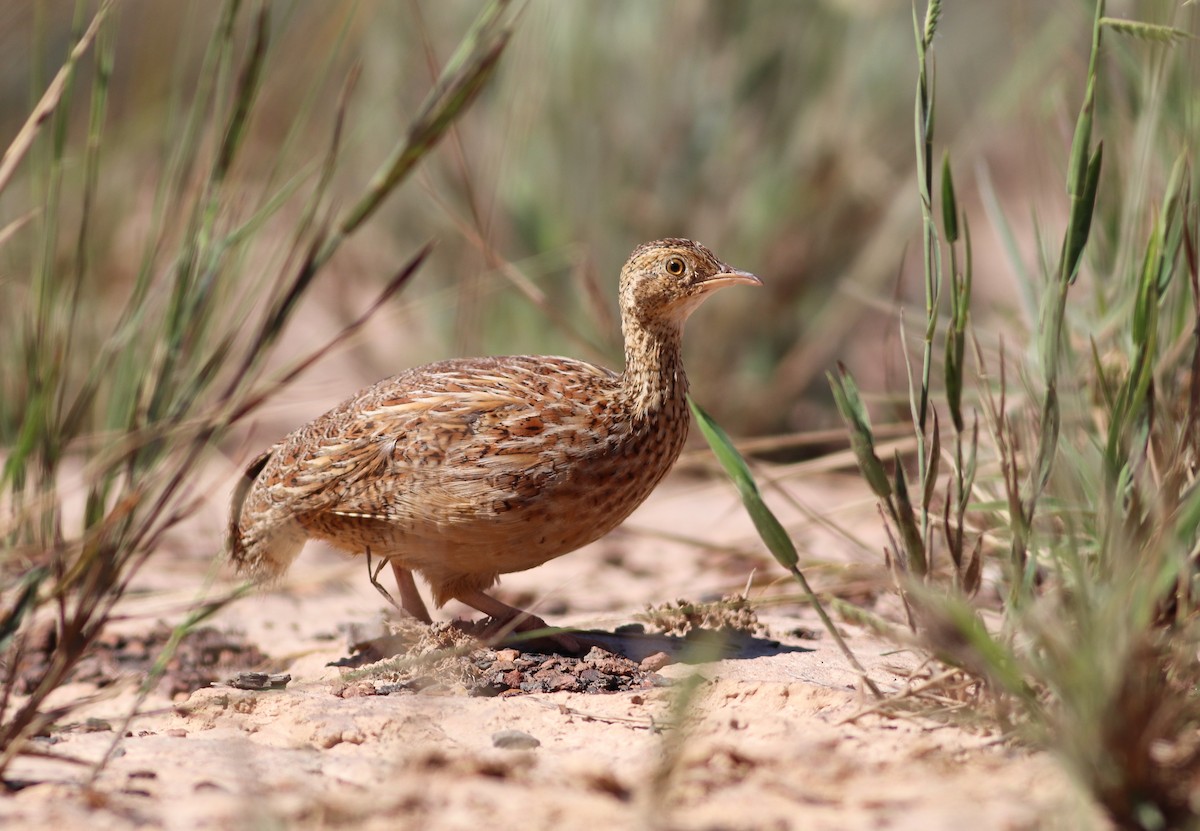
<point>653,379</point>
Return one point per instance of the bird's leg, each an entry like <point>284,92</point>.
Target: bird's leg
<point>512,619</point>
<point>373,576</point>
<point>410,598</point>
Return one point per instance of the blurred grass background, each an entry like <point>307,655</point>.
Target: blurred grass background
<point>779,134</point>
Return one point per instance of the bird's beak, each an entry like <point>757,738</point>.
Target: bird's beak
<point>730,277</point>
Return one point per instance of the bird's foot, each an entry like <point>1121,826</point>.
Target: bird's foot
<point>531,632</point>
<point>514,626</point>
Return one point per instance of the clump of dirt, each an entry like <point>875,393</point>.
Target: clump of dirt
<point>507,672</point>
<point>203,656</point>
<point>445,659</point>
<point>732,613</point>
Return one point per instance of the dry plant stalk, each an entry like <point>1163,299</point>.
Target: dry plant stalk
<point>183,361</point>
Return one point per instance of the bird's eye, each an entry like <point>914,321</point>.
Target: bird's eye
<point>675,266</point>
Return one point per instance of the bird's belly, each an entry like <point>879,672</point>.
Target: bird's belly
<point>514,537</point>
<point>498,532</point>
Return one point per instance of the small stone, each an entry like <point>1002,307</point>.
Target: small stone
<point>597,654</point>
<point>95,725</point>
<point>514,740</point>
<point>655,662</point>
<point>248,680</point>
<point>338,732</point>
<point>260,681</point>
<point>507,655</point>
<point>177,733</point>
<point>560,682</point>
<point>362,688</point>
<point>613,665</point>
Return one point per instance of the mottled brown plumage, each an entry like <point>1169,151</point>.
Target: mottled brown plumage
<point>467,469</point>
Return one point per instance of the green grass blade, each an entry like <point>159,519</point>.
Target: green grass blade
<point>862,441</point>
<point>949,202</point>
<point>463,77</point>
<point>769,528</point>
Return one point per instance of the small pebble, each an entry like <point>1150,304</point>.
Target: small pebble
<point>177,733</point>
<point>514,740</point>
<point>260,681</point>
<point>362,688</point>
<point>597,654</point>
<point>655,662</point>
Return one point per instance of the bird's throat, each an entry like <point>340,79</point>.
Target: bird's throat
<point>653,381</point>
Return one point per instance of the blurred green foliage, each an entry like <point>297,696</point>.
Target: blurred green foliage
<point>777,133</point>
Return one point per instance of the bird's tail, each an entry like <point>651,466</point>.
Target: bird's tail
<point>235,542</point>
<point>263,538</point>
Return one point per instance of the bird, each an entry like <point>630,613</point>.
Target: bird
<point>466,469</point>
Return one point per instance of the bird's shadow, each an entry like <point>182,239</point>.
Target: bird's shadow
<point>697,647</point>
<point>632,642</point>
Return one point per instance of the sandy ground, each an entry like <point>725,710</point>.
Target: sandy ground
<point>767,741</point>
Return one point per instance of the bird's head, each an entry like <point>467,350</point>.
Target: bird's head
<point>664,281</point>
